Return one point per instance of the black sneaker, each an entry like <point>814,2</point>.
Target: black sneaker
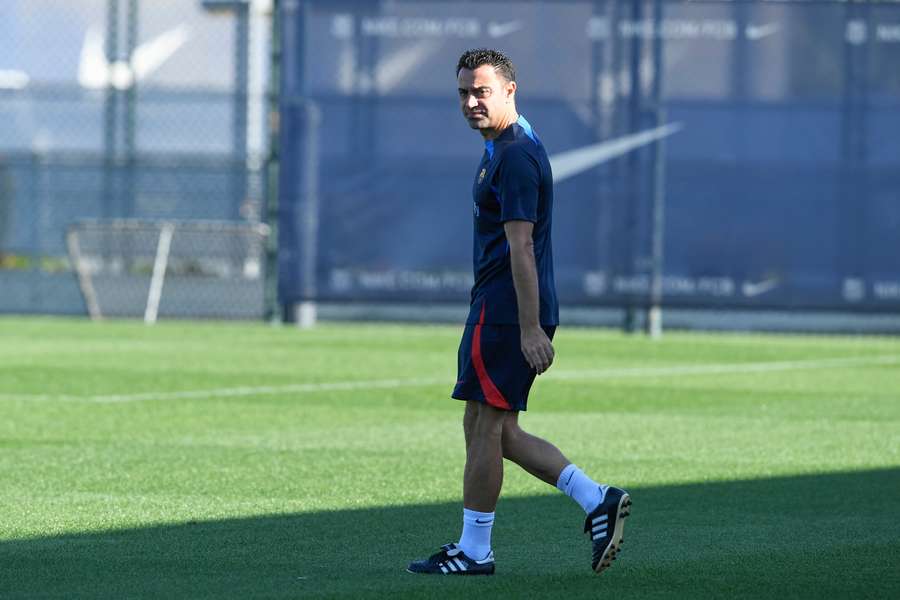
<point>605,525</point>
<point>451,560</point>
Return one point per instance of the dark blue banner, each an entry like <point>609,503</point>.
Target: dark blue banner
<point>770,131</point>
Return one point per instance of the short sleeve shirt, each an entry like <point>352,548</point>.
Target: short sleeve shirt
<point>513,182</point>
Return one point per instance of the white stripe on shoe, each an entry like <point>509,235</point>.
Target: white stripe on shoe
<point>460,564</point>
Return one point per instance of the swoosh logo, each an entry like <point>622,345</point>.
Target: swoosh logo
<point>572,162</point>
<point>393,69</point>
<point>758,32</point>
<point>496,30</point>
<point>751,289</point>
<point>95,72</point>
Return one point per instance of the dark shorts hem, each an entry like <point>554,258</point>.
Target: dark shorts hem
<point>482,400</point>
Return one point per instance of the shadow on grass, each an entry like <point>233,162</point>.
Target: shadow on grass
<point>831,535</point>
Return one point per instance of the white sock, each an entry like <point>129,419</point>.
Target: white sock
<point>476,534</point>
<point>581,488</point>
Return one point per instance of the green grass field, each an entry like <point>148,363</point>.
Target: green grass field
<point>221,460</point>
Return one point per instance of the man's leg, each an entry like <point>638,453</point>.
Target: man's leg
<point>605,511</point>
<point>483,476</point>
<point>544,460</point>
<point>482,479</point>
<point>537,456</point>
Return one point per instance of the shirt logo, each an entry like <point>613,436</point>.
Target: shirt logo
<point>481,175</point>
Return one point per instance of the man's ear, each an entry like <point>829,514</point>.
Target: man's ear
<point>510,90</point>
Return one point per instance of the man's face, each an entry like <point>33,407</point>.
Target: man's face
<point>484,96</point>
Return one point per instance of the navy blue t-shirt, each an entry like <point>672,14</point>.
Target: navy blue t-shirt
<point>513,183</point>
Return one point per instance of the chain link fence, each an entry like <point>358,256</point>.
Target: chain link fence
<point>125,109</point>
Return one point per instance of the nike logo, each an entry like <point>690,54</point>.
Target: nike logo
<point>95,72</point>
<point>497,30</point>
<point>758,32</point>
<point>751,289</point>
<point>391,71</point>
<point>572,162</point>
<point>480,522</point>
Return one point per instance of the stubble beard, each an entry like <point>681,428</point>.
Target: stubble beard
<point>479,123</point>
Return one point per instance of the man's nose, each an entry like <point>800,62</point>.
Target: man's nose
<point>472,102</point>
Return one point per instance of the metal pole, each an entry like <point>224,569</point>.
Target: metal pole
<point>83,273</point>
<point>239,122</point>
<point>272,310</point>
<point>260,12</point>
<point>617,126</point>
<point>111,100</point>
<point>160,264</point>
<point>110,122</point>
<point>36,173</point>
<point>305,311</point>
<point>853,176</point>
<point>654,311</point>
<point>130,113</point>
<point>633,170</point>
<point>600,106</point>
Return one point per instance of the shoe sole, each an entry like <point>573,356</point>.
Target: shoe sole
<point>463,573</point>
<point>615,544</point>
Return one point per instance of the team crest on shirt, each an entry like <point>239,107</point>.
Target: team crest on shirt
<point>481,175</point>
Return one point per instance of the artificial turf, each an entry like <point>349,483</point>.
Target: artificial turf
<point>759,465</point>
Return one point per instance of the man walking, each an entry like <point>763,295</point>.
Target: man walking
<point>512,319</point>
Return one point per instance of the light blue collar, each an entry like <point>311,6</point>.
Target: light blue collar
<point>524,124</point>
<point>521,122</point>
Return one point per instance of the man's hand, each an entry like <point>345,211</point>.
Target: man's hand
<point>537,348</point>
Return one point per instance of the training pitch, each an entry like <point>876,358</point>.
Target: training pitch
<point>220,460</point>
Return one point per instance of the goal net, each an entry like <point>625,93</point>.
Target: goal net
<point>183,269</point>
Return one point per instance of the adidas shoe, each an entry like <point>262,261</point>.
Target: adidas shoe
<point>451,560</point>
<point>605,525</point>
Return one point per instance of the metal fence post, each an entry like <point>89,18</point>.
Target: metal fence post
<point>657,221</point>
<point>111,110</point>
<point>241,81</point>
<point>127,203</point>
<point>271,310</point>
<point>305,311</point>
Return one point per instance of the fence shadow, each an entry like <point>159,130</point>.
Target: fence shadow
<point>831,535</point>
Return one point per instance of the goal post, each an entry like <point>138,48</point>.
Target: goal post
<point>182,269</point>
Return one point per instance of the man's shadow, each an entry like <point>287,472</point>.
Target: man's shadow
<point>829,535</point>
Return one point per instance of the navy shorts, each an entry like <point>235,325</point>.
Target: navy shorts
<point>492,368</point>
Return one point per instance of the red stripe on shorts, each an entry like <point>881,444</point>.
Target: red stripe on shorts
<point>490,391</point>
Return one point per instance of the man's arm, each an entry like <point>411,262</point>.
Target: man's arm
<point>536,345</point>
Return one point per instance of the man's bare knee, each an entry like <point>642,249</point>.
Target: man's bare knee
<point>512,437</point>
<point>488,423</point>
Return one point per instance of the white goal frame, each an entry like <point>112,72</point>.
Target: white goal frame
<point>87,265</point>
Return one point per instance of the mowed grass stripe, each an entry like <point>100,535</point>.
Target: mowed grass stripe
<point>738,477</point>
<point>595,374</point>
